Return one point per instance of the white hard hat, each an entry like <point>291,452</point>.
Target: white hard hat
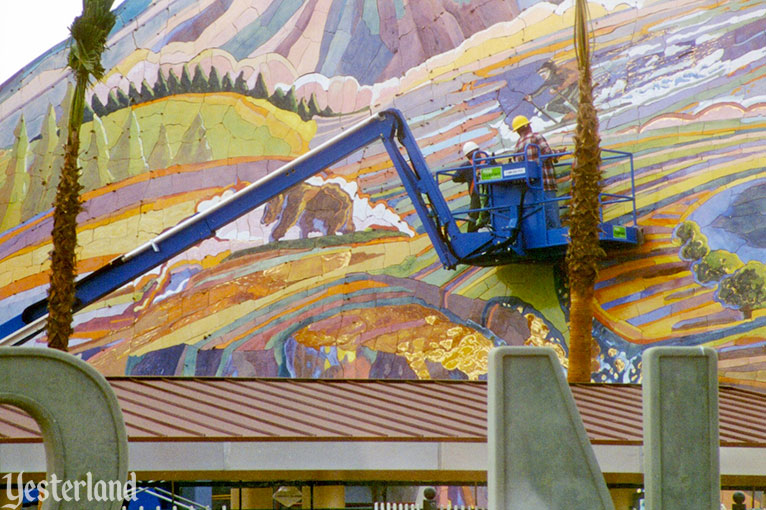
<point>469,147</point>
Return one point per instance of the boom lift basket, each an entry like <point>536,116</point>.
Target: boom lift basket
<point>514,216</point>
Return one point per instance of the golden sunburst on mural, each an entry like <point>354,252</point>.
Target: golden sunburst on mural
<point>417,333</point>
<point>538,334</point>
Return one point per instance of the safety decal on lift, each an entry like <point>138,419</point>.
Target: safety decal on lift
<point>492,173</point>
<point>619,232</point>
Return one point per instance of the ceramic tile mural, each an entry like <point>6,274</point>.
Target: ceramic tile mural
<point>336,278</point>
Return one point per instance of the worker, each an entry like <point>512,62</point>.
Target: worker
<point>531,140</point>
<point>470,149</point>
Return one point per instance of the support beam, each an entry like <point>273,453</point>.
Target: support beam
<point>681,452</point>
<point>539,452</point>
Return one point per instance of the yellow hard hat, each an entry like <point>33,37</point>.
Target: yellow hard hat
<point>519,121</point>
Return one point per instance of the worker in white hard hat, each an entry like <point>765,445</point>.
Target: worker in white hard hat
<point>529,140</point>
<point>470,149</point>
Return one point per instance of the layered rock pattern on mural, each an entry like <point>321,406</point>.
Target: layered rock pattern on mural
<point>336,278</point>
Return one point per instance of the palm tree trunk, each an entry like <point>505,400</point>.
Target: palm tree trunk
<point>583,252</point>
<point>580,325</point>
<point>66,207</point>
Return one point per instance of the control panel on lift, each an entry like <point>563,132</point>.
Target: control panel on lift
<point>513,197</point>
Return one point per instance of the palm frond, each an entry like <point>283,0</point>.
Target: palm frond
<point>89,33</point>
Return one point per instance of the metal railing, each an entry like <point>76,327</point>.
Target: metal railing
<point>610,158</point>
<point>428,503</point>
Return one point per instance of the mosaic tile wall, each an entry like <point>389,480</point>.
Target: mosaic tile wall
<point>336,278</point>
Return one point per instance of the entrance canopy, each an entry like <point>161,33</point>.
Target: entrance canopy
<point>196,428</point>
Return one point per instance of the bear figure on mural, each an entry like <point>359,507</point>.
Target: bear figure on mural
<point>325,210</point>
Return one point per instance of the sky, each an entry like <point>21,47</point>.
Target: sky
<point>29,28</point>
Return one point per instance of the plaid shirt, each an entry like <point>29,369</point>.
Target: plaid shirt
<point>532,138</point>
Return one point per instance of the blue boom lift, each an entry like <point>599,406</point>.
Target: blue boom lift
<point>512,194</point>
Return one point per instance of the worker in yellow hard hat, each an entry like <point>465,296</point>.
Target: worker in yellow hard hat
<point>529,141</point>
<point>519,121</point>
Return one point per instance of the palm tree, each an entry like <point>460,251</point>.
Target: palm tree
<point>89,32</point>
<point>584,251</point>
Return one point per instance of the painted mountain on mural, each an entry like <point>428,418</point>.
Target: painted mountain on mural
<point>336,278</point>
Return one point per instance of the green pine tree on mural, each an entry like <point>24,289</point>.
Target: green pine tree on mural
<point>146,94</point>
<point>303,110</point>
<point>226,84</point>
<point>87,113</point>
<point>160,88</point>
<point>44,151</point>
<point>134,96</point>
<point>127,155</point>
<point>214,81</point>
<point>260,90</point>
<point>112,103</point>
<point>95,161</point>
<point>313,105</point>
<point>291,102</point>
<point>51,175</point>
<point>185,83</point>
<point>123,99</point>
<point>98,107</point>
<point>174,84</point>
<point>16,179</point>
<point>200,84</point>
<point>194,146</point>
<point>160,155</point>
<point>199,81</point>
<point>240,84</point>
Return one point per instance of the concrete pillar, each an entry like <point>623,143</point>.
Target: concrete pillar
<point>681,442</point>
<point>40,382</point>
<point>539,453</point>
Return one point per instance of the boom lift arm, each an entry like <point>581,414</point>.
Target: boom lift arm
<point>388,126</point>
<point>516,228</point>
